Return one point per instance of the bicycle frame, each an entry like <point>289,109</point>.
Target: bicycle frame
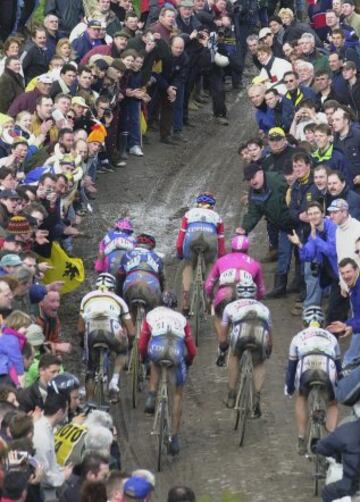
<point>135,365</point>
<point>101,374</point>
<point>162,424</point>
<point>197,302</point>
<point>245,395</point>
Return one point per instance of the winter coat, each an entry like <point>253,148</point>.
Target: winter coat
<point>69,12</point>
<point>277,161</point>
<point>335,159</point>
<point>269,202</point>
<point>302,192</point>
<point>351,197</point>
<point>24,102</point>
<point>84,44</point>
<point>303,92</point>
<point>350,146</point>
<point>35,61</point>
<point>11,86</point>
<point>11,360</point>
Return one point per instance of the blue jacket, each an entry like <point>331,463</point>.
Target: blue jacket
<point>336,160</point>
<point>83,45</point>
<point>321,247</point>
<point>11,344</point>
<point>303,92</point>
<point>338,86</point>
<point>344,445</point>
<point>354,321</point>
<point>281,116</point>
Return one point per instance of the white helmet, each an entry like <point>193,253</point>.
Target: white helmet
<point>106,282</point>
<point>246,287</point>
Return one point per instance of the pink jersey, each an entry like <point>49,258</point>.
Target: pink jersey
<point>226,272</point>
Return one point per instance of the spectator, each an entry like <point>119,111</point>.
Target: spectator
<point>315,56</point>
<point>55,411</point>
<point>51,25</point>
<point>280,151</point>
<point>64,50</point>
<point>69,12</point>
<point>8,206</point>
<point>27,101</point>
<point>352,99</point>
<point>267,198</point>
<point>351,17</point>
<point>296,92</point>
<point>323,86</point>
<point>280,111</point>
<point>11,83</point>
<point>89,39</point>
<point>346,53</point>
<point>347,139</point>
<point>11,47</point>
<point>338,83</point>
<point>6,298</point>
<point>34,396</point>
<point>137,489</point>
<point>15,486</point>
<point>306,72</point>
<point>305,115</point>
<point>66,84</point>
<point>339,189</point>
<point>267,37</point>
<point>93,491</point>
<point>114,486</point>
<point>50,322</point>
<point>35,58</point>
<point>273,69</point>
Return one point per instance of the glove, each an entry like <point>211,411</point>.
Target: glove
<point>289,392</point>
<point>221,359</point>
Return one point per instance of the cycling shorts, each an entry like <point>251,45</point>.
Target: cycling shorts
<point>117,343</point>
<point>142,285</point>
<point>112,261</point>
<point>315,367</point>
<point>171,349</point>
<point>223,296</point>
<point>199,237</point>
<point>251,335</point>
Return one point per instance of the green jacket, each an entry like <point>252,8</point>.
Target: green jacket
<point>270,203</point>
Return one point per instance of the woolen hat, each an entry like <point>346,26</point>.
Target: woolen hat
<point>34,335</point>
<point>18,225</point>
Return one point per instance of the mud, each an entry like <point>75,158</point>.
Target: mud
<point>155,191</point>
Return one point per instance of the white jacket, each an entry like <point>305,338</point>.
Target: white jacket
<point>277,70</point>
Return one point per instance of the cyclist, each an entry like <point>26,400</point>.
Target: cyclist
<point>141,272</point>
<point>166,334</point>
<point>112,247</point>
<point>67,385</point>
<point>103,317</point>
<point>200,227</point>
<point>314,354</point>
<point>250,321</point>
<point>227,272</point>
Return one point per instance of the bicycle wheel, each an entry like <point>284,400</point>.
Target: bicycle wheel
<point>197,321</point>
<point>162,433</point>
<point>101,379</point>
<point>244,396</point>
<point>136,370</point>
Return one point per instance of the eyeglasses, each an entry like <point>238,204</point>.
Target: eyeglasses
<point>290,81</point>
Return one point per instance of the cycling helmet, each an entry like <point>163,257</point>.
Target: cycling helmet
<point>63,384</point>
<point>146,240</point>
<point>125,225</point>
<point>240,243</point>
<point>169,299</point>
<point>105,282</point>
<point>313,316</point>
<point>206,198</point>
<point>246,287</point>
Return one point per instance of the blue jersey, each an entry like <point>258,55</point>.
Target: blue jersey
<point>141,259</point>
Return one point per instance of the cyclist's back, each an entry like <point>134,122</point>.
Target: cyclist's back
<point>112,247</point>
<point>142,272</point>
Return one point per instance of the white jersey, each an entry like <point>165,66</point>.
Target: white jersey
<point>314,340</point>
<point>202,215</point>
<point>98,305</point>
<point>237,311</point>
<point>163,321</point>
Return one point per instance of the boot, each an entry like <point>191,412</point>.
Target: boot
<point>279,287</point>
<point>123,147</point>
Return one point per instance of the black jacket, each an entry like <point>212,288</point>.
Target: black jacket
<point>69,12</point>
<point>277,161</point>
<point>11,86</point>
<point>30,397</point>
<point>35,61</point>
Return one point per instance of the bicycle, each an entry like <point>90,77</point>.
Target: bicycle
<point>197,302</point>
<point>162,424</point>
<point>102,372</point>
<point>317,404</point>
<point>136,368</point>
<point>245,395</point>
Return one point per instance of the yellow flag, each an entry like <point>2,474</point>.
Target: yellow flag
<point>143,123</point>
<point>69,270</point>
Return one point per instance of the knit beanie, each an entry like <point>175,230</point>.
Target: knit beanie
<point>18,225</point>
<point>98,134</point>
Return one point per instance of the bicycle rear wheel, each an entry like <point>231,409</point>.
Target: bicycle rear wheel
<point>162,433</point>
<point>135,364</point>
<point>101,379</point>
<point>244,396</point>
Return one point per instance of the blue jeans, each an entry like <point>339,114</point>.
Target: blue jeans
<point>313,290</point>
<point>178,110</point>
<point>273,234</point>
<point>284,253</point>
<point>134,114</point>
<point>353,352</point>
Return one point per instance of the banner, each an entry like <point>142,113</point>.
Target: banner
<point>67,269</point>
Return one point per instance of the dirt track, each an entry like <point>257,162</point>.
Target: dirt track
<point>156,191</point>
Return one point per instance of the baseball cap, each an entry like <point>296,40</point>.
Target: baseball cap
<point>45,79</point>
<point>251,170</point>
<point>121,33</point>
<point>338,205</point>
<point>137,487</point>
<point>276,133</point>
<point>9,194</point>
<point>186,3</point>
<point>264,32</point>
<point>78,100</point>
<point>10,260</point>
<point>34,335</point>
<point>144,473</point>
<point>94,23</point>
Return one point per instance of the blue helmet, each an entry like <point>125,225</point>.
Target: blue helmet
<point>206,198</point>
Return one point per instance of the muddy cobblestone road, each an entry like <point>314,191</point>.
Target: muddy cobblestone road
<point>156,190</point>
